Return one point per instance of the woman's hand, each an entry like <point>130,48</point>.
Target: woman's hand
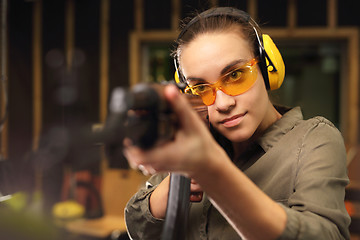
<point>187,153</point>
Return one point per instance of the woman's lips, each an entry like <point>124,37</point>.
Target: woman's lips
<point>232,121</point>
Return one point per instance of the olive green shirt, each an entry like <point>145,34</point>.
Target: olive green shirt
<point>300,164</point>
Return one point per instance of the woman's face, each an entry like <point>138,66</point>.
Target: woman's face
<point>204,59</point>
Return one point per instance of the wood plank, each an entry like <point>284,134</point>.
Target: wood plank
<point>37,73</point>
<point>104,58</point>
<point>175,14</point>
<point>332,16</point>
<point>139,15</point>
<point>69,32</point>
<point>4,79</point>
<point>252,8</point>
<point>291,15</point>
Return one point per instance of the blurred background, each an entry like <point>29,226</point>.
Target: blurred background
<point>61,59</point>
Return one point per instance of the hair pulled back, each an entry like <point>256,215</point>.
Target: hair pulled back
<point>243,24</point>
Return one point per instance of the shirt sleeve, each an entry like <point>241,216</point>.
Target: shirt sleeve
<point>316,209</point>
<point>140,223</point>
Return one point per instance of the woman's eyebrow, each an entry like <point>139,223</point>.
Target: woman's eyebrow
<point>231,65</point>
<point>223,71</point>
<point>195,80</point>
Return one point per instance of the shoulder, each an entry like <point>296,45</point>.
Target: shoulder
<point>318,120</point>
<point>321,142</point>
<point>318,128</point>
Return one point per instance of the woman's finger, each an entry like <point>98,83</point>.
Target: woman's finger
<point>188,118</point>
<point>196,193</point>
<point>194,187</point>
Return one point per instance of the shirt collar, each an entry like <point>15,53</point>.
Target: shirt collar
<point>282,126</point>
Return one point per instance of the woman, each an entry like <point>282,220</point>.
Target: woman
<point>278,176</point>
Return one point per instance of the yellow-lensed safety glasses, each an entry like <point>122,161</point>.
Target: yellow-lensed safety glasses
<point>236,81</point>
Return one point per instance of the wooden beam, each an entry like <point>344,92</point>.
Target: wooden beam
<point>252,8</point>
<point>139,15</point>
<point>69,32</point>
<point>312,33</point>
<point>332,15</point>
<point>37,85</point>
<point>104,58</point>
<point>175,14</point>
<point>37,72</point>
<point>292,15</point>
<point>353,90</point>
<point>134,58</point>
<point>3,85</point>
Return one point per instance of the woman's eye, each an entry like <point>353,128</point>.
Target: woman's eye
<point>235,75</point>
<point>200,88</point>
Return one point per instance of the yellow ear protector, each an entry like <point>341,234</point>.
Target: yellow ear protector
<point>270,61</point>
<point>177,77</point>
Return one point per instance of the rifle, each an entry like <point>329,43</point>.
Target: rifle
<point>144,116</point>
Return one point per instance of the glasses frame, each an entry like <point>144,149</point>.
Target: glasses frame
<point>218,84</point>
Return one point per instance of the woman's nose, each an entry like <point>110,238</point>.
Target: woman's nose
<point>223,102</point>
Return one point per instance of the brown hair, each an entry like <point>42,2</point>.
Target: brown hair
<point>206,23</point>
